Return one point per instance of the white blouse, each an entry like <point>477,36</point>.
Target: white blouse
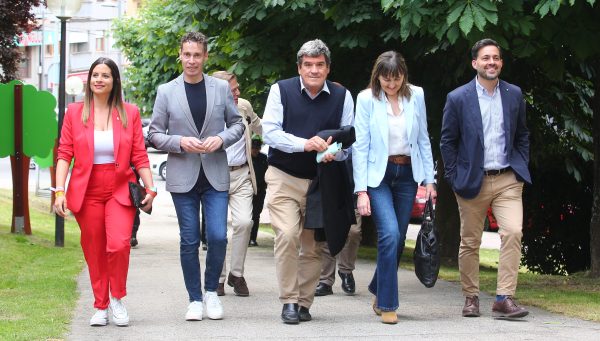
<point>398,137</point>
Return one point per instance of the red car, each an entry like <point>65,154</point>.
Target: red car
<point>490,222</point>
<point>419,206</point>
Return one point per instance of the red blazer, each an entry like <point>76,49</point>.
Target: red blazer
<point>77,141</point>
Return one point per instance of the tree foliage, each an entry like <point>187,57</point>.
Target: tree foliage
<point>257,40</point>
<point>16,19</point>
<point>550,50</point>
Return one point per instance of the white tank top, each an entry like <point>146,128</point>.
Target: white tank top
<point>104,150</point>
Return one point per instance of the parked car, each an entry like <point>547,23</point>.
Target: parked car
<point>490,222</point>
<point>419,207</point>
<point>158,164</point>
<point>419,204</point>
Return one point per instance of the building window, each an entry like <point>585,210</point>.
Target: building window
<point>24,65</point>
<point>79,47</point>
<point>49,50</point>
<point>100,44</point>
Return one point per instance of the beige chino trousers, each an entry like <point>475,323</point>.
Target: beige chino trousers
<point>504,193</point>
<point>297,254</point>
<point>346,258</point>
<point>239,220</point>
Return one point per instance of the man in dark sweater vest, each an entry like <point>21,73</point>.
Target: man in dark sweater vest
<point>296,109</point>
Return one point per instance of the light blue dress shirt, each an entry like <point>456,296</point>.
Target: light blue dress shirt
<point>492,118</point>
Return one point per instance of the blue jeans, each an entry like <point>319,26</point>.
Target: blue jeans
<point>391,206</point>
<point>187,206</point>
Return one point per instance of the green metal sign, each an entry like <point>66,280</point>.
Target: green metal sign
<point>40,125</point>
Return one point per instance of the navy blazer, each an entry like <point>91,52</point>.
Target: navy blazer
<point>461,141</point>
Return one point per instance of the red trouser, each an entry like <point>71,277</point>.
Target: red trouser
<point>105,227</point>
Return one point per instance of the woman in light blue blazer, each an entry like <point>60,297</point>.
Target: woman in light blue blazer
<point>391,156</point>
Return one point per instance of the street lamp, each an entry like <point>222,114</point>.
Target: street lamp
<point>63,10</point>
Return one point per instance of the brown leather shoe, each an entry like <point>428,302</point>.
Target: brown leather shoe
<point>240,288</point>
<point>221,289</point>
<point>471,308</point>
<point>508,308</point>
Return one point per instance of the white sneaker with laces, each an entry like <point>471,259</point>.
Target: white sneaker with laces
<point>194,312</point>
<point>119,312</point>
<point>214,308</point>
<point>100,318</point>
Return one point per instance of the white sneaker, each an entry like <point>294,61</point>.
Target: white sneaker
<point>194,312</point>
<point>214,308</point>
<point>119,312</point>
<point>100,318</point>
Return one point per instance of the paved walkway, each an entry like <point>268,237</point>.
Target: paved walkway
<point>157,303</point>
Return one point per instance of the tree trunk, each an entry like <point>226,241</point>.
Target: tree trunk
<point>447,219</point>
<point>595,219</point>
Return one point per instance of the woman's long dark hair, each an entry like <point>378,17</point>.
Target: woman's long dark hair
<point>115,99</point>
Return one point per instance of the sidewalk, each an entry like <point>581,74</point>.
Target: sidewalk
<point>157,302</point>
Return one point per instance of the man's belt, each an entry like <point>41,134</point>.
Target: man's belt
<point>232,168</point>
<point>493,172</point>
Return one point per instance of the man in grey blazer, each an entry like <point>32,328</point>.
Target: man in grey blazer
<point>485,148</point>
<point>195,119</point>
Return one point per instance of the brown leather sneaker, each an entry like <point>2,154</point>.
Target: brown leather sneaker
<point>471,308</point>
<point>221,289</point>
<point>508,308</point>
<point>240,288</point>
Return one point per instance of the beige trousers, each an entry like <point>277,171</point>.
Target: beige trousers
<point>346,258</point>
<point>239,220</point>
<point>297,254</point>
<point>504,193</point>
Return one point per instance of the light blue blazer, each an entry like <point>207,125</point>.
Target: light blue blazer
<point>370,151</point>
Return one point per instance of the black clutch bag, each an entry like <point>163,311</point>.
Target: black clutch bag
<point>137,193</point>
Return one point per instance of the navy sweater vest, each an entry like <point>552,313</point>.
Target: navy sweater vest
<point>305,117</point>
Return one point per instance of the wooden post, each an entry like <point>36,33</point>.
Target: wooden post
<point>20,171</point>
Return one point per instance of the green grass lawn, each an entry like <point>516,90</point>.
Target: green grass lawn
<point>38,288</point>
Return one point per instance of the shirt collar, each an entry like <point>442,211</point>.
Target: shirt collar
<point>481,89</point>
<point>303,88</point>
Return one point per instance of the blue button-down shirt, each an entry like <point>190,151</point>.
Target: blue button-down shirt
<point>492,118</point>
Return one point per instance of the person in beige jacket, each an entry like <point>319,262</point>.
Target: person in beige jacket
<point>242,187</point>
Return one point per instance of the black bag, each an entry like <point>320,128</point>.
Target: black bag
<point>137,193</point>
<point>427,256</point>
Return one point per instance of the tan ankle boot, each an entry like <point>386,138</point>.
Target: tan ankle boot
<point>375,309</point>
<point>389,317</point>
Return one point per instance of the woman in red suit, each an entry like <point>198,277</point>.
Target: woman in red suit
<point>104,136</point>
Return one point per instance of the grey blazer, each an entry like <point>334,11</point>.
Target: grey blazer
<point>172,119</point>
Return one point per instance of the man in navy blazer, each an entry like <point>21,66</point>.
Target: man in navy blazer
<point>485,148</point>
